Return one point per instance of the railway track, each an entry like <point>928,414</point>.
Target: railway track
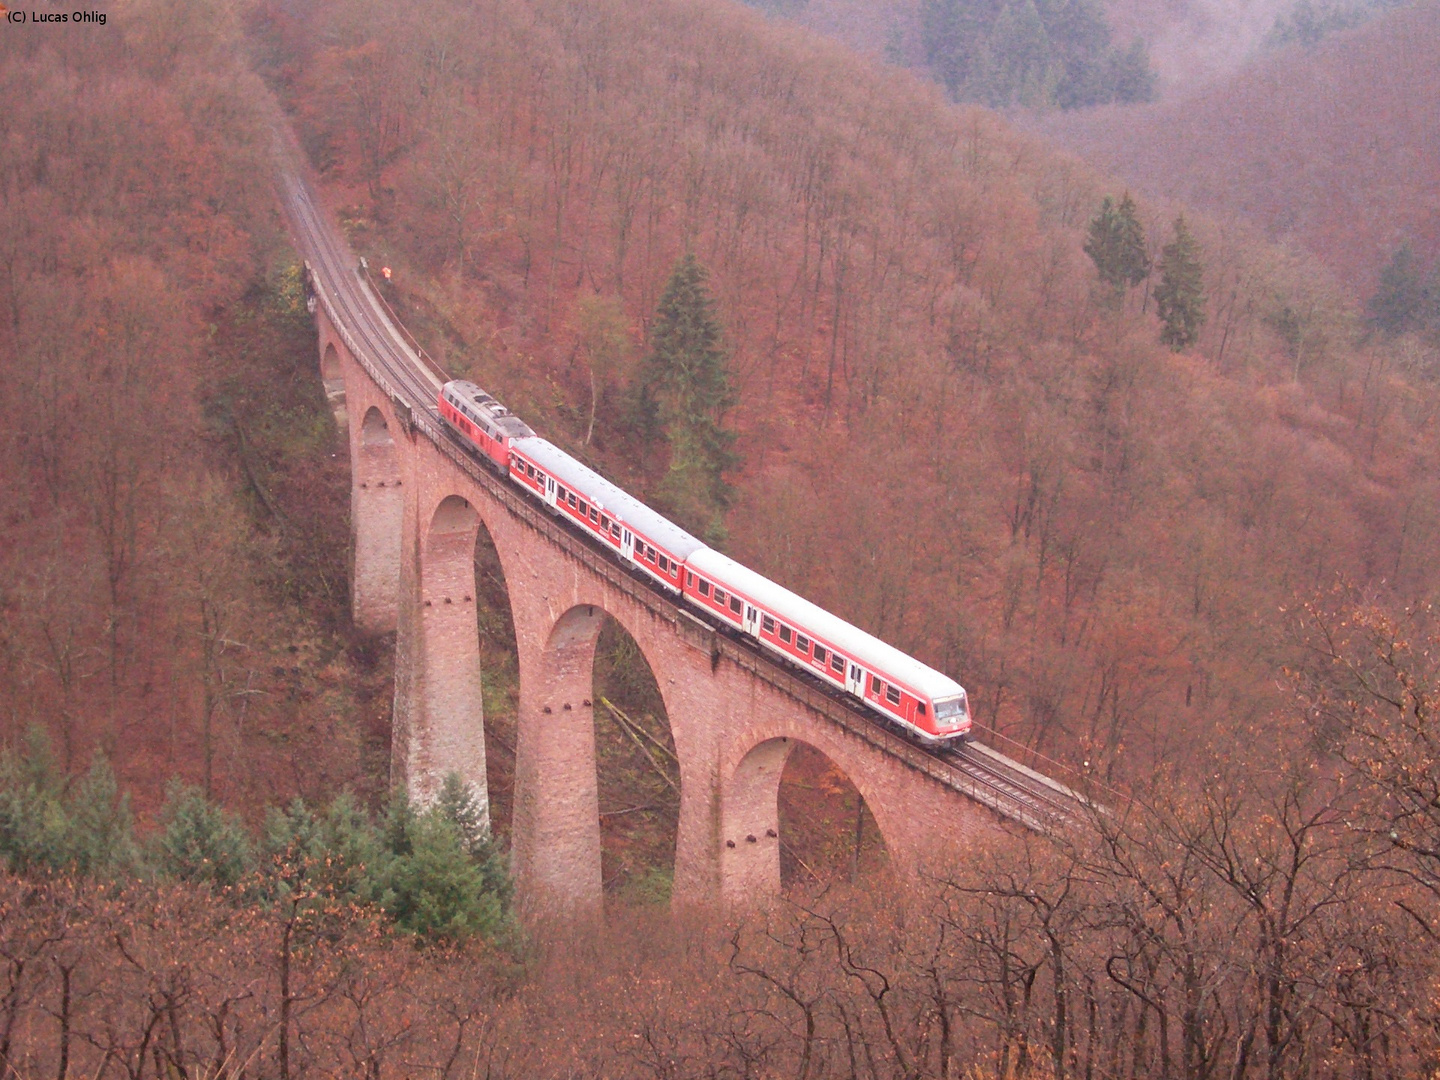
<point>412,381</point>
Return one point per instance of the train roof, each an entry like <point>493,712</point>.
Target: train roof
<point>606,496</point>
<point>497,414</point>
<point>834,631</point>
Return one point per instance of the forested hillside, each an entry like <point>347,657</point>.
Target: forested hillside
<point>948,430</point>
<point>1330,148</point>
<point>172,541</point>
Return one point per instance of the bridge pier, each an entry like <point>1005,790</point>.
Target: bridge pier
<point>556,829</point>
<point>377,508</point>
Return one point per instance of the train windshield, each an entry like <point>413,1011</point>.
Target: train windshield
<point>950,707</point>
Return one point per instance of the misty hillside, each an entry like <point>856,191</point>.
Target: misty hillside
<point>1330,149</point>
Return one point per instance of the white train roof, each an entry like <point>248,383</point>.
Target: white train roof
<point>493,411</point>
<point>872,653</point>
<point>613,500</point>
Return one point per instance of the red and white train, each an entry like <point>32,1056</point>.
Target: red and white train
<point>931,705</point>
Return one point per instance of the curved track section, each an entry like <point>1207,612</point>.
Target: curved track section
<point>412,381</point>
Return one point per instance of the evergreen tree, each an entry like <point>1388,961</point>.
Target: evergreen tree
<point>440,883</point>
<point>1131,78</point>
<point>437,890</point>
<point>1022,68</point>
<point>1116,244</point>
<point>955,34</point>
<point>683,397</point>
<point>102,838</point>
<point>1180,296</point>
<point>1039,53</point>
<point>338,855</point>
<point>1401,302</point>
<point>44,826</point>
<point>198,840</point>
<point>34,828</point>
<point>458,804</point>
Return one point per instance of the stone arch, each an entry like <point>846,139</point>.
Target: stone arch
<point>330,363</point>
<point>375,432</point>
<point>332,375</point>
<point>377,509</point>
<point>750,818</point>
<point>557,848</point>
<point>637,770</point>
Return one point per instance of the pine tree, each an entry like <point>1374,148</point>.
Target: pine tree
<point>458,804</point>
<point>1399,304</point>
<point>1022,68</point>
<point>102,840</point>
<point>684,395</point>
<point>1116,244</point>
<point>437,890</point>
<point>34,827</point>
<point>47,823</point>
<point>198,840</point>
<point>1180,296</point>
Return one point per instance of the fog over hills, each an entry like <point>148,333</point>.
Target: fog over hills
<point>1332,148</point>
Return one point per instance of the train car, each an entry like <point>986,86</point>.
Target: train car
<point>897,686</point>
<point>616,518</point>
<point>487,425</point>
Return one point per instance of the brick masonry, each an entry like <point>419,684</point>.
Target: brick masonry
<point>734,720</point>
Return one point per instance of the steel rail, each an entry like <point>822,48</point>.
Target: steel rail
<point>412,382</point>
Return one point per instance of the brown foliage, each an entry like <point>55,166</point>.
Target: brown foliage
<point>139,616</point>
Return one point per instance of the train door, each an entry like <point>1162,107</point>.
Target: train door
<point>855,683</point>
<point>627,543</point>
<point>550,490</point>
<point>752,621</point>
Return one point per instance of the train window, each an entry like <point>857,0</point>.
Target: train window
<point>571,500</point>
<point>920,708</point>
<point>615,530</point>
<point>704,587</point>
<point>821,653</point>
<point>649,553</point>
<point>837,664</point>
<point>560,492</point>
<point>529,469</point>
<point>689,580</point>
<point>604,523</point>
<point>785,633</point>
<point>664,564</point>
<point>802,643</point>
<point>735,604</point>
<point>769,624</point>
<point>584,508</point>
<point>892,695</point>
<point>874,684</point>
<point>594,515</point>
<point>719,595</point>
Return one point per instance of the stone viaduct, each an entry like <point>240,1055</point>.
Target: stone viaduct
<point>418,505</point>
